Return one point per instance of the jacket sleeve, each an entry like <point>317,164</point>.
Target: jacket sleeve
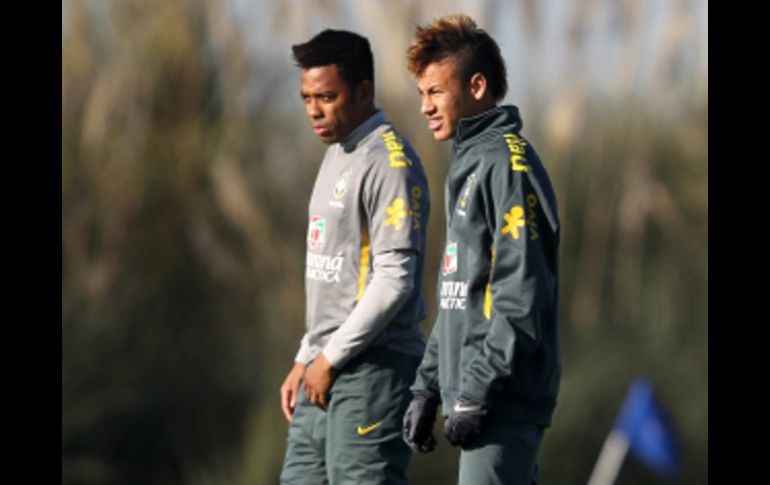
<point>522,284</point>
<point>391,283</point>
<point>305,353</point>
<point>426,379</point>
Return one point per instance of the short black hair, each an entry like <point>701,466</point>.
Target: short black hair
<point>350,52</point>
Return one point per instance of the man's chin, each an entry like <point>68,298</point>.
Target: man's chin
<point>328,139</point>
<point>441,136</point>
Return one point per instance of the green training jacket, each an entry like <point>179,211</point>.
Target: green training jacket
<point>495,339</point>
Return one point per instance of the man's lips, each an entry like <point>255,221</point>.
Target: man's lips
<point>322,130</point>
<point>434,124</point>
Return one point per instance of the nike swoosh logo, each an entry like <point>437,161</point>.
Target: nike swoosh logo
<point>463,408</point>
<point>368,429</point>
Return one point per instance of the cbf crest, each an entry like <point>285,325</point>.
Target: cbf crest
<point>465,195</point>
<point>341,186</point>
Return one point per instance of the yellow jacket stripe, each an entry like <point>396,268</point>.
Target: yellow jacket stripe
<point>488,290</point>
<point>363,271</point>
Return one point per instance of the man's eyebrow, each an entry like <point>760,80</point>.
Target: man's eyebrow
<point>432,86</point>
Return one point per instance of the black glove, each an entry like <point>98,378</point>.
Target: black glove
<point>464,421</point>
<point>418,423</point>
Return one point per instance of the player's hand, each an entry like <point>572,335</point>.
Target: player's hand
<point>290,389</point>
<point>319,378</point>
<point>464,422</point>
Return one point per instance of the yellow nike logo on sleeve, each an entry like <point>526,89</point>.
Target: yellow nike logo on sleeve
<point>368,429</point>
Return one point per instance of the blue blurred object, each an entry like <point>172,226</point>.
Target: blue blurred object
<point>650,434</point>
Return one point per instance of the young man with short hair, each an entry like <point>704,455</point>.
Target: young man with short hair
<point>493,358</point>
<point>364,264</point>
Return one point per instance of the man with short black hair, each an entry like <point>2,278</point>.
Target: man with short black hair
<point>364,264</point>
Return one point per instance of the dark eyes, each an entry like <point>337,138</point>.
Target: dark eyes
<point>324,98</point>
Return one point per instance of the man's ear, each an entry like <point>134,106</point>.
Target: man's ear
<point>478,85</point>
<point>364,92</point>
